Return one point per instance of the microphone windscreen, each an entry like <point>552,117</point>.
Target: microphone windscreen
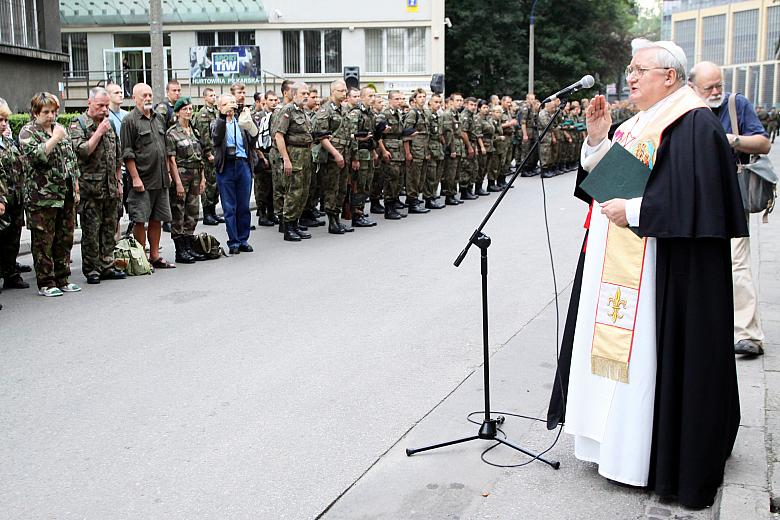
<point>587,81</point>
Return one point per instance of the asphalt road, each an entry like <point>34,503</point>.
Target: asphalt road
<point>264,385</point>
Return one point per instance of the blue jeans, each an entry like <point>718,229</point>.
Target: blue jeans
<point>235,186</point>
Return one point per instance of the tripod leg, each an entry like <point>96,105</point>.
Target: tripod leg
<point>410,452</point>
<point>555,464</point>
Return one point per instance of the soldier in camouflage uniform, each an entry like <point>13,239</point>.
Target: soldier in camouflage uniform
<point>378,180</point>
<point>504,146</point>
<point>496,160</point>
<point>185,163</point>
<point>469,161</point>
<point>550,140</point>
<point>435,172</point>
<point>529,128</point>
<point>277,175</point>
<point>12,214</point>
<point>415,141</point>
<point>293,136</point>
<point>51,195</point>
<point>483,113</point>
<point>453,148</point>
<point>165,108</point>
<point>578,132</point>
<point>336,132</point>
<point>390,121</point>
<point>366,154</point>
<point>309,217</point>
<point>202,124</point>
<point>99,157</point>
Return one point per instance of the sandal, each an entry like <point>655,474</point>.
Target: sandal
<point>49,292</point>
<point>161,263</point>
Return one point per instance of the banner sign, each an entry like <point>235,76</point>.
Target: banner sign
<point>225,65</point>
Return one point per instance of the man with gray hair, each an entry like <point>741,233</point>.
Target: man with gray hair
<point>652,385</point>
<point>749,138</point>
<point>96,142</point>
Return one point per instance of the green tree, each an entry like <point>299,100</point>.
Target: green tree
<point>487,47</point>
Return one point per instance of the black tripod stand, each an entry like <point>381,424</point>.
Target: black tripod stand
<point>489,429</point>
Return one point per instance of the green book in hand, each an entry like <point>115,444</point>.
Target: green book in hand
<point>618,175</point>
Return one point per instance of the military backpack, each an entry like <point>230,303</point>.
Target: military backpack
<point>207,246</point>
<point>130,254</point>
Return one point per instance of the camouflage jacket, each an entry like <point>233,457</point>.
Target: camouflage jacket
<point>468,125</point>
<point>417,121</point>
<point>391,138</point>
<point>98,170</point>
<point>186,148</point>
<point>364,131</point>
<point>450,128</point>
<point>11,172</point>
<point>165,109</point>
<point>202,123</point>
<point>488,131</point>
<point>544,118</point>
<point>295,125</point>
<point>49,179</point>
<point>339,126</point>
<point>435,135</point>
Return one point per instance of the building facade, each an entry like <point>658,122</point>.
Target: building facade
<point>742,37</point>
<point>30,50</point>
<point>396,44</point>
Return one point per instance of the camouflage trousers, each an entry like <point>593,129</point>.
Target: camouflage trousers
<point>525,148</point>
<point>505,157</point>
<point>98,230</point>
<point>377,182</point>
<point>469,169</point>
<point>315,193</point>
<point>547,152</point>
<point>296,185</point>
<point>263,185</point>
<point>433,177</point>
<point>210,196</point>
<point>449,183</point>
<point>494,164</point>
<point>10,238</point>
<point>277,181</point>
<point>415,173</point>
<point>482,162</point>
<point>362,179</point>
<point>51,231</point>
<point>185,211</point>
<point>391,172</point>
<point>334,184</point>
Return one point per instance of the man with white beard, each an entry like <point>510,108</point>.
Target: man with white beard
<point>706,80</point>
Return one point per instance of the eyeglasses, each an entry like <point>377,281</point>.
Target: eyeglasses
<point>640,72</point>
<point>709,89</point>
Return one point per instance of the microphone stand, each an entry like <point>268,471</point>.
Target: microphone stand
<point>489,428</point>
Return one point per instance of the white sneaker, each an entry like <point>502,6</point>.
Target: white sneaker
<point>49,292</point>
<point>71,287</point>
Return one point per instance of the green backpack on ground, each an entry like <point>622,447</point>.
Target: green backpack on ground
<point>208,246</point>
<point>130,253</point>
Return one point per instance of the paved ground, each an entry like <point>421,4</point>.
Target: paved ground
<point>288,382</point>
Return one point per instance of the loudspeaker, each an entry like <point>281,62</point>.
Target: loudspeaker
<point>352,77</point>
<point>437,83</point>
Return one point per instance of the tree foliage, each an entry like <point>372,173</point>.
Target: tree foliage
<point>487,46</point>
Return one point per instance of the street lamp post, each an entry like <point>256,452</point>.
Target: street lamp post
<point>158,54</point>
<point>531,50</point>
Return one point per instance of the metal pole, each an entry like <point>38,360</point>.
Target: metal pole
<point>158,57</point>
<point>531,50</point>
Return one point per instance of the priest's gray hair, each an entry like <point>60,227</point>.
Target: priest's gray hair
<point>668,55</point>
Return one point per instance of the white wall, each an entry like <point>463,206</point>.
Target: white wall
<point>96,42</point>
<point>353,48</point>
<point>181,42</point>
<point>271,53</point>
<point>319,11</point>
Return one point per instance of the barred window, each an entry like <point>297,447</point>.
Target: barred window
<point>206,38</point>
<point>19,23</point>
<point>773,33</point>
<point>75,46</point>
<point>226,37</point>
<point>740,77</point>
<point>396,50</point>
<point>713,44</point>
<point>685,36</point>
<point>766,88</point>
<point>752,87</point>
<point>745,36</point>
<point>246,37</point>
<point>319,51</point>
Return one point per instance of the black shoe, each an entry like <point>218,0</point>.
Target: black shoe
<point>433,204</point>
<point>301,231</point>
<point>418,209</point>
<point>334,227</point>
<point>748,347</point>
<point>15,282</point>
<point>220,219</point>
<point>166,227</point>
<point>264,222</point>
<point>299,226</point>
<point>391,213</point>
<point>209,219</point>
<point>547,173</point>
<point>93,279</point>
<point>182,254</point>
<point>307,222</point>
<point>494,187</point>
<point>234,251</point>
<point>481,191</point>
<point>467,195</point>
<point>189,243</point>
<point>252,227</point>
<point>398,204</point>
<point>21,268</point>
<point>112,274</point>
<point>317,213</point>
<point>527,173</point>
<point>412,202</point>
<point>289,232</point>
<point>376,207</point>
<point>246,248</point>
<point>273,218</point>
<point>362,221</point>
<point>346,229</point>
<point>449,200</point>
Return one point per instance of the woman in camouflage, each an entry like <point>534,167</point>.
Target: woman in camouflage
<point>185,162</point>
<point>51,194</point>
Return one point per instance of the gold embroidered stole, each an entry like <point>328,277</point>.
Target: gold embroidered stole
<point>624,255</point>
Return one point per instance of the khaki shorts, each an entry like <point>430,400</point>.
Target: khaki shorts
<point>149,205</point>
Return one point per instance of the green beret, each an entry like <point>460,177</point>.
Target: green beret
<point>182,102</point>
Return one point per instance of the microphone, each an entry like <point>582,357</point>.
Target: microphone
<point>585,82</point>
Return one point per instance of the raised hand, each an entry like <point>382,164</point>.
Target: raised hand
<point>598,120</point>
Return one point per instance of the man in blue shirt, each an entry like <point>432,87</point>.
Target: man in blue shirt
<point>750,138</point>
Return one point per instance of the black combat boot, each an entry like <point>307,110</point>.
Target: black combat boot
<point>547,172</point>
<point>391,213</point>
<point>466,194</point>
<point>334,227</point>
<point>376,207</point>
<point>480,190</point>
<point>289,232</point>
<point>209,216</point>
<point>493,186</point>
<point>300,230</point>
<point>417,208</point>
<point>189,242</point>
<point>182,255</point>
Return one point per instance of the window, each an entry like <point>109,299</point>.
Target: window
<point>125,40</point>
<point>739,80</point>
<point>745,38</point>
<point>396,50</point>
<point>75,46</point>
<point>766,88</point>
<point>225,38</point>
<point>773,33</point>
<point>206,38</point>
<point>685,37</point>
<point>321,51</point>
<point>19,23</point>
<point>713,44</point>
<point>246,37</point>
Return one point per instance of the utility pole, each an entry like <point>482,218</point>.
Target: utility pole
<point>158,56</point>
<point>531,50</point>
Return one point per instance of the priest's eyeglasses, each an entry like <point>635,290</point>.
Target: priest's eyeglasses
<point>640,72</point>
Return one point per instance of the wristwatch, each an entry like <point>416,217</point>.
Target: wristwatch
<point>735,142</point>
